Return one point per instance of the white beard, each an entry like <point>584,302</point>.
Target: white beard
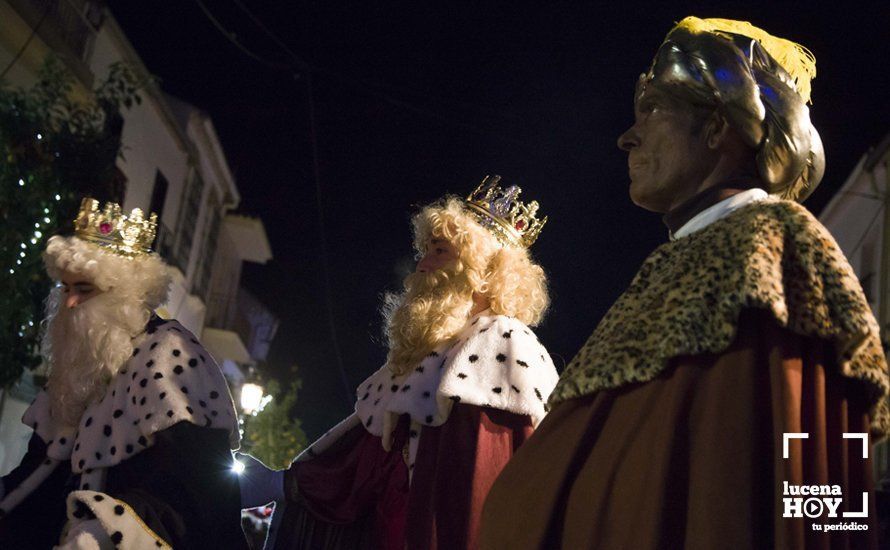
<point>85,347</point>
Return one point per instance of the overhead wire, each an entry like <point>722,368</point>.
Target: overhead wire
<point>448,120</point>
<point>300,65</point>
<point>352,80</point>
<point>262,26</point>
<point>232,37</point>
<point>316,171</point>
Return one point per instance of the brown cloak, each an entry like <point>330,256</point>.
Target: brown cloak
<point>666,430</point>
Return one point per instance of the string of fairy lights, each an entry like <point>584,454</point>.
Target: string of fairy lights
<point>29,250</point>
<point>55,148</point>
<point>42,226</point>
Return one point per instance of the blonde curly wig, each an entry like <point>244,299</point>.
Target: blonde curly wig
<point>506,276</point>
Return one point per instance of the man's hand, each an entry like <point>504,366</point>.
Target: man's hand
<point>87,535</point>
<point>259,484</point>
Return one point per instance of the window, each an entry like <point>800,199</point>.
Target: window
<point>208,250</point>
<point>158,195</point>
<point>117,187</point>
<point>163,244</point>
<point>188,218</point>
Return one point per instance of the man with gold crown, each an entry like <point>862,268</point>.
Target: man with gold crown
<point>734,368</point>
<point>132,434</point>
<point>464,385</point>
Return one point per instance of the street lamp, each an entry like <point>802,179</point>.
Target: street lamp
<point>251,397</point>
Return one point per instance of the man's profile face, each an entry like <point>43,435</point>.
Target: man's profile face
<point>666,151</point>
<point>439,253</point>
<point>77,289</point>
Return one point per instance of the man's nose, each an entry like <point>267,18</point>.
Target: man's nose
<point>629,139</point>
<point>425,264</point>
<point>72,300</point>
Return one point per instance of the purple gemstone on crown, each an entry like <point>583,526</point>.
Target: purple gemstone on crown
<point>105,228</point>
<point>500,206</point>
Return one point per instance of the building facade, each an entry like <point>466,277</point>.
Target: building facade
<point>858,217</point>
<point>174,165</point>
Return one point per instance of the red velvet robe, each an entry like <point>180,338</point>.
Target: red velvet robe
<point>357,495</point>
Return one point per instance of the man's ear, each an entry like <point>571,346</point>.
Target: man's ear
<point>716,130</point>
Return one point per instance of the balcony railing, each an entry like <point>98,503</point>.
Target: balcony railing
<point>253,322</point>
<point>68,19</point>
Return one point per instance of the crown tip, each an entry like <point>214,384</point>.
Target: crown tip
<point>499,209</point>
<point>127,236</point>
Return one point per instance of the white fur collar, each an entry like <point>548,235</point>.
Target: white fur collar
<point>169,379</point>
<point>496,361</point>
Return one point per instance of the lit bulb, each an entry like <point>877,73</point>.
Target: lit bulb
<point>251,395</point>
<point>46,210</point>
<point>21,182</point>
<point>22,254</point>
<point>58,198</point>
<point>46,220</point>
<point>24,246</point>
<point>38,234</point>
<point>39,136</point>
<point>237,467</point>
<point>33,241</point>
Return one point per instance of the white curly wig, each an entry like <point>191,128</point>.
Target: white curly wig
<point>85,346</point>
<point>146,278</point>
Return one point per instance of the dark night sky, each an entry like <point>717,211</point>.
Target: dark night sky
<point>414,102</point>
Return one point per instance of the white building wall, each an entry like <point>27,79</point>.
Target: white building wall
<point>13,434</point>
<point>858,217</point>
<point>153,139</point>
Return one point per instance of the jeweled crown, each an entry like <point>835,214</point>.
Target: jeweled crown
<point>128,236</point>
<point>513,222</point>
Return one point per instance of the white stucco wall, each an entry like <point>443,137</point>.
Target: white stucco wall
<point>151,141</point>
<point>13,434</point>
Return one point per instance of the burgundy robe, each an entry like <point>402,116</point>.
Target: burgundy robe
<point>357,495</point>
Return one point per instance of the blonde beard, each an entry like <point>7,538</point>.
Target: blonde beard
<point>433,309</point>
<point>85,347</point>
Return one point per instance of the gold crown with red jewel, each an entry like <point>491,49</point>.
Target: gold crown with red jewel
<point>499,209</point>
<point>125,235</point>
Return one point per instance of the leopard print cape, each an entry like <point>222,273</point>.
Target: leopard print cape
<point>688,294</point>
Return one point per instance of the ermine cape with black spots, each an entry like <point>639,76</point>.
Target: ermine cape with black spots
<point>670,427</point>
<point>414,462</point>
<point>149,462</point>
